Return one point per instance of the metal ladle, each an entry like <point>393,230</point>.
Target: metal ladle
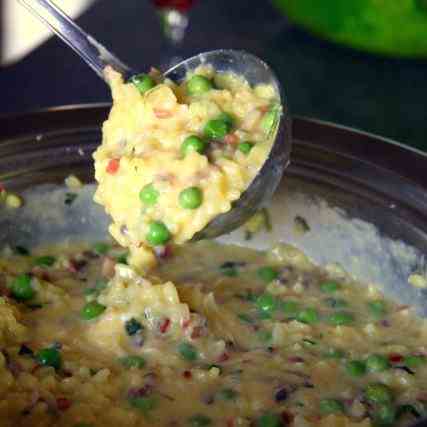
<point>253,69</point>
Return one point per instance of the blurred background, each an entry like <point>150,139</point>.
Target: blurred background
<point>359,63</point>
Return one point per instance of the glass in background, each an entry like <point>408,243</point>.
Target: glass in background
<point>174,18</point>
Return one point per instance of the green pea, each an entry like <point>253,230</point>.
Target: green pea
<point>45,261</point>
<point>267,274</point>
<point>355,368</point>
<point>149,195</point>
<point>227,394</point>
<point>144,404</point>
<point>378,393</point>
<point>199,420</point>
<point>191,198</point>
<point>197,85</point>
<point>49,357</point>
<point>308,315</point>
<point>290,308</point>
<point>267,303</point>
<point>158,233</point>
<point>330,406</point>
<point>245,147</point>
<point>22,288</point>
<point>270,119</point>
<point>377,308</point>
<point>91,310</point>
<point>415,361</point>
<point>188,351</point>
<point>132,362</point>
<point>377,363</point>
<point>384,415</point>
<point>329,287</point>
<point>143,82</point>
<point>269,420</point>
<point>132,326</point>
<point>334,353</point>
<point>193,143</point>
<point>216,129</point>
<point>101,248</point>
<point>340,318</point>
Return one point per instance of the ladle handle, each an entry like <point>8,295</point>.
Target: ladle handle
<point>92,52</point>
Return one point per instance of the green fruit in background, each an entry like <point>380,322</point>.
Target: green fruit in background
<point>390,27</point>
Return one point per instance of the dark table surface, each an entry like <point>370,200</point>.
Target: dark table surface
<point>380,95</point>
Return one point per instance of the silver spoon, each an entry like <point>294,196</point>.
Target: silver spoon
<point>236,61</point>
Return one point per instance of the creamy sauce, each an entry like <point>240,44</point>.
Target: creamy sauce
<point>243,337</point>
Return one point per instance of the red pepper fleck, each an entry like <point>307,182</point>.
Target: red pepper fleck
<point>140,392</point>
<point>197,332</point>
<point>63,403</point>
<point>395,357</point>
<point>187,374</point>
<point>231,139</point>
<point>162,114</point>
<point>167,252</point>
<point>224,357</point>
<point>113,166</point>
<point>287,417</point>
<point>2,188</point>
<point>264,108</point>
<point>295,359</point>
<point>164,326</point>
<point>230,422</point>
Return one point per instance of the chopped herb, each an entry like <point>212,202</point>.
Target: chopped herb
<point>267,274</point>
<point>49,357</point>
<point>227,394</point>
<point>377,308</point>
<point>132,362</point>
<point>334,353</point>
<point>25,351</point>
<point>300,225</point>
<point>101,248</point>
<point>330,406</point>
<point>245,318</point>
<point>265,336</point>
<point>144,404</point>
<point>230,268</point>
<point>415,361</point>
<point>21,250</point>
<point>122,259</point>
<point>45,261</point>
<point>100,285</point>
<point>69,198</point>
<point>132,326</point>
<point>199,420</point>
<point>188,351</point>
<point>269,420</point>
